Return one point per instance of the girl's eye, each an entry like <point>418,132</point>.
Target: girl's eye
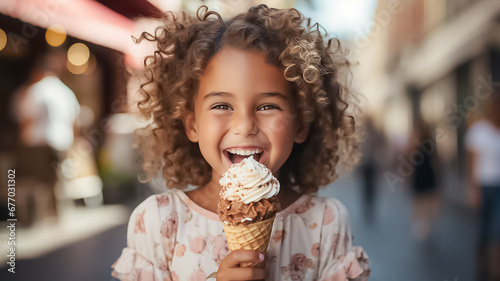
<point>221,106</point>
<point>268,107</point>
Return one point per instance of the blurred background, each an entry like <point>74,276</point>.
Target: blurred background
<point>429,71</point>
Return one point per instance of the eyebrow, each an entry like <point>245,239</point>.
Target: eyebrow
<point>266,94</point>
<point>217,94</point>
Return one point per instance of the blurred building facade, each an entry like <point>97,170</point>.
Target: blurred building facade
<point>435,61</point>
<point>94,72</point>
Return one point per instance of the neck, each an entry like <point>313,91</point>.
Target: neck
<point>206,196</point>
<point>287,196</point>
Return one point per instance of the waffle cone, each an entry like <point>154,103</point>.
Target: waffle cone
<point>254,236</point>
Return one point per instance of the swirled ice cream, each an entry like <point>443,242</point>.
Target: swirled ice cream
<point>249,193</point>
<point>248,181</point>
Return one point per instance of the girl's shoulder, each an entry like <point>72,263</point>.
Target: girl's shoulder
<point>162,205</point>
<point>314,206</point>
<point>159,200</point>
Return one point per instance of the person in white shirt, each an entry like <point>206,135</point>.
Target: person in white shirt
<point>46,111</point>
<point>483,150</point>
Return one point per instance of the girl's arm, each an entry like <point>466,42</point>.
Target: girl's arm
<point>338,259</point>
<point>145,257</point>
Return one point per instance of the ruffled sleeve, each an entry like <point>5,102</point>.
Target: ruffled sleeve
<point>338,259</point>
<point>142,259</point>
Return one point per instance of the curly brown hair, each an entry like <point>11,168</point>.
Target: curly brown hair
<point>318,71</point>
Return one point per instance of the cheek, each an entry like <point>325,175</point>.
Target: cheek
<point>279,126</point>
<point>211,130</point>
<point>280,132</point>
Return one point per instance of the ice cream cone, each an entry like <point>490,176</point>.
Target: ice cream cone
<point>254,236</point>
<point>248,204</point>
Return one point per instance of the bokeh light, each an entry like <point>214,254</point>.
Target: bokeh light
<point>92,64</point>
<point>77,69</point>
<point>86,68</point>
<point>55,35</point>
<point>78,54</point>
<point>3,39</point>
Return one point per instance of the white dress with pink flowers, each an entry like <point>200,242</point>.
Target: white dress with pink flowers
<point>172,238</point>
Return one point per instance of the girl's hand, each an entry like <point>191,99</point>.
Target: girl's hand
<point>230,269</point>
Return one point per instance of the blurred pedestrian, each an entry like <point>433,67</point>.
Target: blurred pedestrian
<point>371,147</point>
<point>483,151</point>
<point>45,109</point>
<point>426,197</point>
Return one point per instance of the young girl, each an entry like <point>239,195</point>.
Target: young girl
<point>263,83</point>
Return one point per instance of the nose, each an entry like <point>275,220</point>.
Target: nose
<point>244,124</point>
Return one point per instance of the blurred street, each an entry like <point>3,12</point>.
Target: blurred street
<point>394,254</point>
<point>72,248</point>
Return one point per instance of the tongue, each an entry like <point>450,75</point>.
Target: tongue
<point>235,158</point>
<point>238,158</point>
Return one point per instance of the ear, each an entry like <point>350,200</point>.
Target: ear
<point>302,132</point>
<point>190,127</point>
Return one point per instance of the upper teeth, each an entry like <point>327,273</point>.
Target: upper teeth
<point>244,152</point>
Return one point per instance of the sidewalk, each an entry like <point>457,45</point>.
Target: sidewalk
<point>394,254</point>
<point>81,246</point>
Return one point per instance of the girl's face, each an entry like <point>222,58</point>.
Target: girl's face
<point>244,106</point>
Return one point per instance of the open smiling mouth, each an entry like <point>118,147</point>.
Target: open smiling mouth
<point>237,155</point>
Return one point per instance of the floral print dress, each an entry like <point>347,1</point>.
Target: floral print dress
<point>172,238</point>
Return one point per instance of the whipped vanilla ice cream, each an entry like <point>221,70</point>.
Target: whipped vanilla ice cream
<point>248,181</point>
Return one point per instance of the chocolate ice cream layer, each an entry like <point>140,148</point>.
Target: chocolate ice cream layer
<point>238,213</point>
